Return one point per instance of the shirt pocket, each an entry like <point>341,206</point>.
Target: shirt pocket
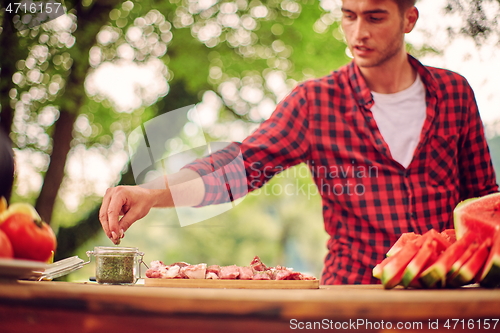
<point>442,161</point>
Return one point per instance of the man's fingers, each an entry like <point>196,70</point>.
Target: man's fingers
<point>113,211</point>
<point>103,212</point>
<point>131,203</point>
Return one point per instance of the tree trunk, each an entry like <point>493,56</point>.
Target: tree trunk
<point>55,173</point>
<point>90,22</point>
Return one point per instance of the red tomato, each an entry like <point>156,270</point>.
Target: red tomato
<point>5,246</point>
<point>32,240</point>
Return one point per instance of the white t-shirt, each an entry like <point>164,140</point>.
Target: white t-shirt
<point>400,118</point>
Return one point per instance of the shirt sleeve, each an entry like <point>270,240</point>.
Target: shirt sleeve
<point>477,175</point>
<point>279,143</point>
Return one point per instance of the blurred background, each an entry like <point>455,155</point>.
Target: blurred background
<point>72,89</point>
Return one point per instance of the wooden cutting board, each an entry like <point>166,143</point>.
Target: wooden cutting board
<point>232,284</point>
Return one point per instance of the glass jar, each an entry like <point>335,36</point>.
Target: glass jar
<point>116,265</point>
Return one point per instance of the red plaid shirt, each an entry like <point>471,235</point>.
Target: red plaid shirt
<point>369,199</point>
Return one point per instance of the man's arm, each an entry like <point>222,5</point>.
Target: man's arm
<point>280,142</point>
<point>132,203</point>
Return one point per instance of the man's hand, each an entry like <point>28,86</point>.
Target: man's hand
<point>131,203</point>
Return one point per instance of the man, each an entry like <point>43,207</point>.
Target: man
<point>408,139</point>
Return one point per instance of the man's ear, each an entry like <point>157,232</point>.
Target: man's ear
<point>411,17</point>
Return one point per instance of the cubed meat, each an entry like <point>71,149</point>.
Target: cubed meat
<point>195,271</point>
<point>170,272</point>
<point>246,273</point>
<point>180,264</point>
<point>153,273</point>
<point>257,264</point>
<point>155,264</point>
<point>282,274</point>
<point>229,272</point>
<point>213,269</point>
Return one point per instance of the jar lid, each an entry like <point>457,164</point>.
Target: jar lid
<point>116,250</point>
<point>59,268</point>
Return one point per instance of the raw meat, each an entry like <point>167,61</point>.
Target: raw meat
<point>246,273</point>
<point>257,264</point>
<point>229,272</point>
<point>194,271</point>
<point>256,271</point>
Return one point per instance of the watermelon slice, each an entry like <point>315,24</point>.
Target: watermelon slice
<point>377,270</point>
<point>478,215</point>
<point>419,262</point>
<point>472,267</point>
<point>462,260</point>
<point>453,257</point>
<point>401,242</point>
<point>435,275</point>
<point>393,270</point>
<point>442,242</point>
<point>490,277</point>
<point>434,244</point>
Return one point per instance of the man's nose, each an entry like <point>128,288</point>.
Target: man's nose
<point>361,30</point>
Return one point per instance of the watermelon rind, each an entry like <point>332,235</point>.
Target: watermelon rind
<point>455,268</point>
<point>435,275</point>
<point>490,277</point>
<point>462,279</point>
<point>457,214</point>
<point>433,244</point>
<point>461,204</point>
<point>417,264</point>
<point>392,272</point>
<point>432,277</point>
<point>470,269</point>
<point>377,270</point>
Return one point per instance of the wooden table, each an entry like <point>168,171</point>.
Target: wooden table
<point>88,307</point>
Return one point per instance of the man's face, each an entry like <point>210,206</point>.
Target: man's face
<point>374,30</point>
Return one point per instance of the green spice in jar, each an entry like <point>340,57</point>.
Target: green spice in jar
<point>115,269</point>
<point>116,265</point>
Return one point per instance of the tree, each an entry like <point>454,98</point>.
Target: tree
<point>479,17</point>
<point>47,99</point>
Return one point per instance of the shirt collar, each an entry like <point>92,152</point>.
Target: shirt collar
<point>363,94</point>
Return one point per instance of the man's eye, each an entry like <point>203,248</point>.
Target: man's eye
<point>376,19</point>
